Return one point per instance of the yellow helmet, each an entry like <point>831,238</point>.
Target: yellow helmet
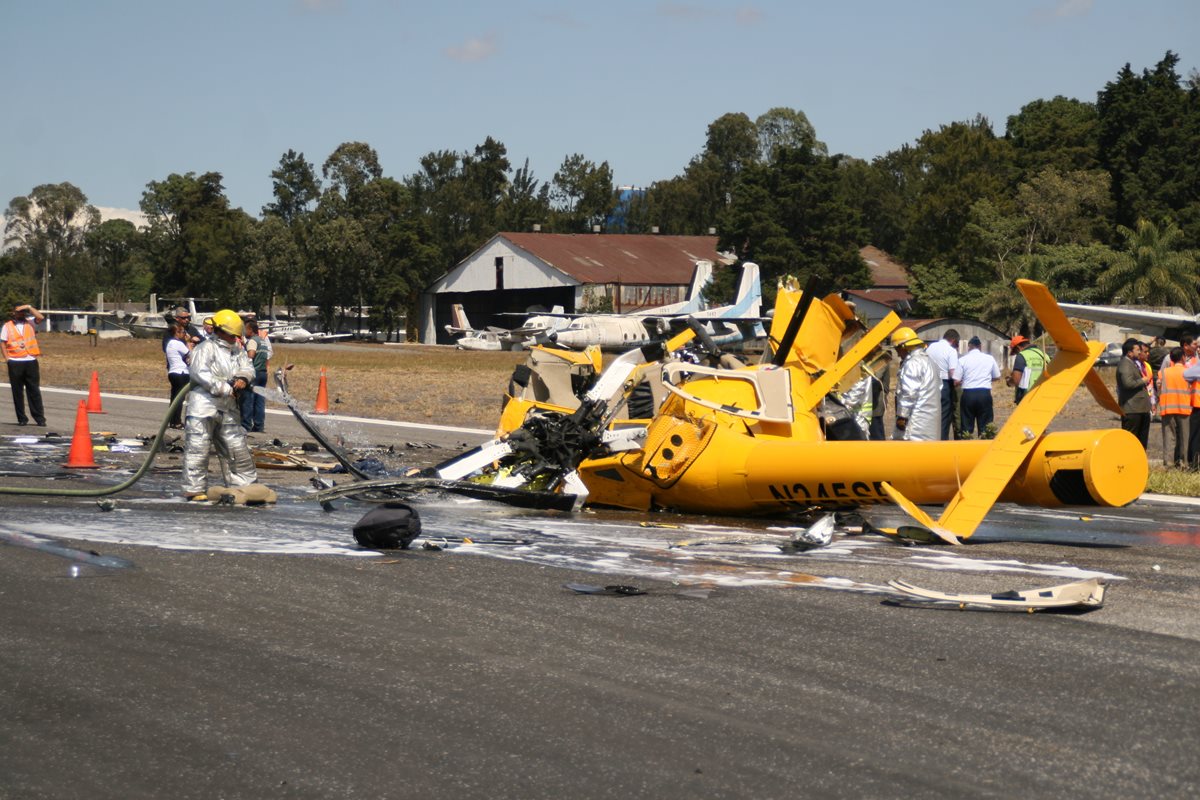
<point>228,321</point>
<point>906,337</point>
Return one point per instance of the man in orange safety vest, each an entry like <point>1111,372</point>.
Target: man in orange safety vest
<point>18,341</point>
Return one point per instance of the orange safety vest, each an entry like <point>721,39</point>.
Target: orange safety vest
<point>21,344</point>
<point>1176,395</point>
<point>1191,362</point>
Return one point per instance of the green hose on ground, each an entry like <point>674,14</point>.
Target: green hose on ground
<point>120,487</point>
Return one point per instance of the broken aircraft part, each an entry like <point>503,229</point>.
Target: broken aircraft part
<point>1086,593</point>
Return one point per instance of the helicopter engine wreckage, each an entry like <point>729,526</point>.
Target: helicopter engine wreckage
<point>656,429</point>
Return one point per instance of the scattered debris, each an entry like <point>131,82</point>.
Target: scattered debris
<point>1086,594</point>
<point>819,534</point>
<point>371,467</point>
<point>390,526</point>
<point>625,590</point>
<point>269,459</point>
<point>253,494</point>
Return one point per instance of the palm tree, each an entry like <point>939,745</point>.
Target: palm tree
<point>1150,271</point>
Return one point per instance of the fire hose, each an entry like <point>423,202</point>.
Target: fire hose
<point>120,487</point>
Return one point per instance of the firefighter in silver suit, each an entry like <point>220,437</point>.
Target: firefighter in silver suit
<point>219,367</point>
<point>918,390</point>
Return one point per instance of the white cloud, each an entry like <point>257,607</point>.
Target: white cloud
<point>136,217</point>
<point>472,50</point>
<point>1072,8</point>
<point>748,15</point>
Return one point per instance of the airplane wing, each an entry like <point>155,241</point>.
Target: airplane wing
<point>1151,323</point>
<point>66,312</point>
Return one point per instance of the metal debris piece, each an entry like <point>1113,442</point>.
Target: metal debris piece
<point>819,534</point>
<point>269,459</point>
<point>626,590</point>
<point>396,488</point>
<point>1086,594</point>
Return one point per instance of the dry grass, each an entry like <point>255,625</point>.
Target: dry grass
<point>422,383</point>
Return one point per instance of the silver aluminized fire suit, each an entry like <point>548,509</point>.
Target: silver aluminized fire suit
<point>919,398</point>
<point>214,417</point>
<point>857,400</point>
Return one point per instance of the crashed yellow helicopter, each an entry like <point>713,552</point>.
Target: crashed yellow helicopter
<point>655,430</point>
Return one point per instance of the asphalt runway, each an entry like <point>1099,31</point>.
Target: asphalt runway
<point>164,649</point>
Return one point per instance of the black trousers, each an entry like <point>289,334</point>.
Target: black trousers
<point>1194,439</point>
<point>947,408</point>
<point>977,410</point>
<point>1139,426</point>
<point>26,380</point>
<point>178,381</point>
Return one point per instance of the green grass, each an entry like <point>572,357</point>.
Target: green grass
<point>1174,481</point>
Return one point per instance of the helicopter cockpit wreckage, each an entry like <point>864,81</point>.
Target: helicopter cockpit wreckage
<point>679,425</point>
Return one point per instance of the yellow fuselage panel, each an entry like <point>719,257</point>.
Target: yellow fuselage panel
<point>820,336</point>
<point>735,394</point>
<point>739,474</point>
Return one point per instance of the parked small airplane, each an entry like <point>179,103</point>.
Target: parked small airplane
<point>753,439</point>
<point>619,332</point>
<point>613,331</point>
<point>153,324</point>
<point>1151,323</point>
<point>470,338</point>
<point>294,333</point>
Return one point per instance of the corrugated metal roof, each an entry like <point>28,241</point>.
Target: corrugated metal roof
<point>619,257</point>
<point>885,272</point>
<point>888,297</point>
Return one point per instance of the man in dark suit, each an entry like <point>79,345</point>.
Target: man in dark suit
<point>1132,393</point>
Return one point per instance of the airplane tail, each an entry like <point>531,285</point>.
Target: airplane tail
<point>695,302</point>
<point>748,302</point>
<point>701,278</point>
<point>458,320</point>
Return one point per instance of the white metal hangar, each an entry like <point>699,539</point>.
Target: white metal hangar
<point>517,272</point>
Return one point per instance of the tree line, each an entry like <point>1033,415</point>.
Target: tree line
<point>1100,200</point>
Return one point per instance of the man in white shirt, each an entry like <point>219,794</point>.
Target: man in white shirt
<point>979,371</point>
<point>944,353</point>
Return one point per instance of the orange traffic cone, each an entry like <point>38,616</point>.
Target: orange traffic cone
<point>322,406</point>
<point>80,456</point>
<point>93,401</point>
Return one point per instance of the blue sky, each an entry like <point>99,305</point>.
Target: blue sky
<point>112,95</point>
